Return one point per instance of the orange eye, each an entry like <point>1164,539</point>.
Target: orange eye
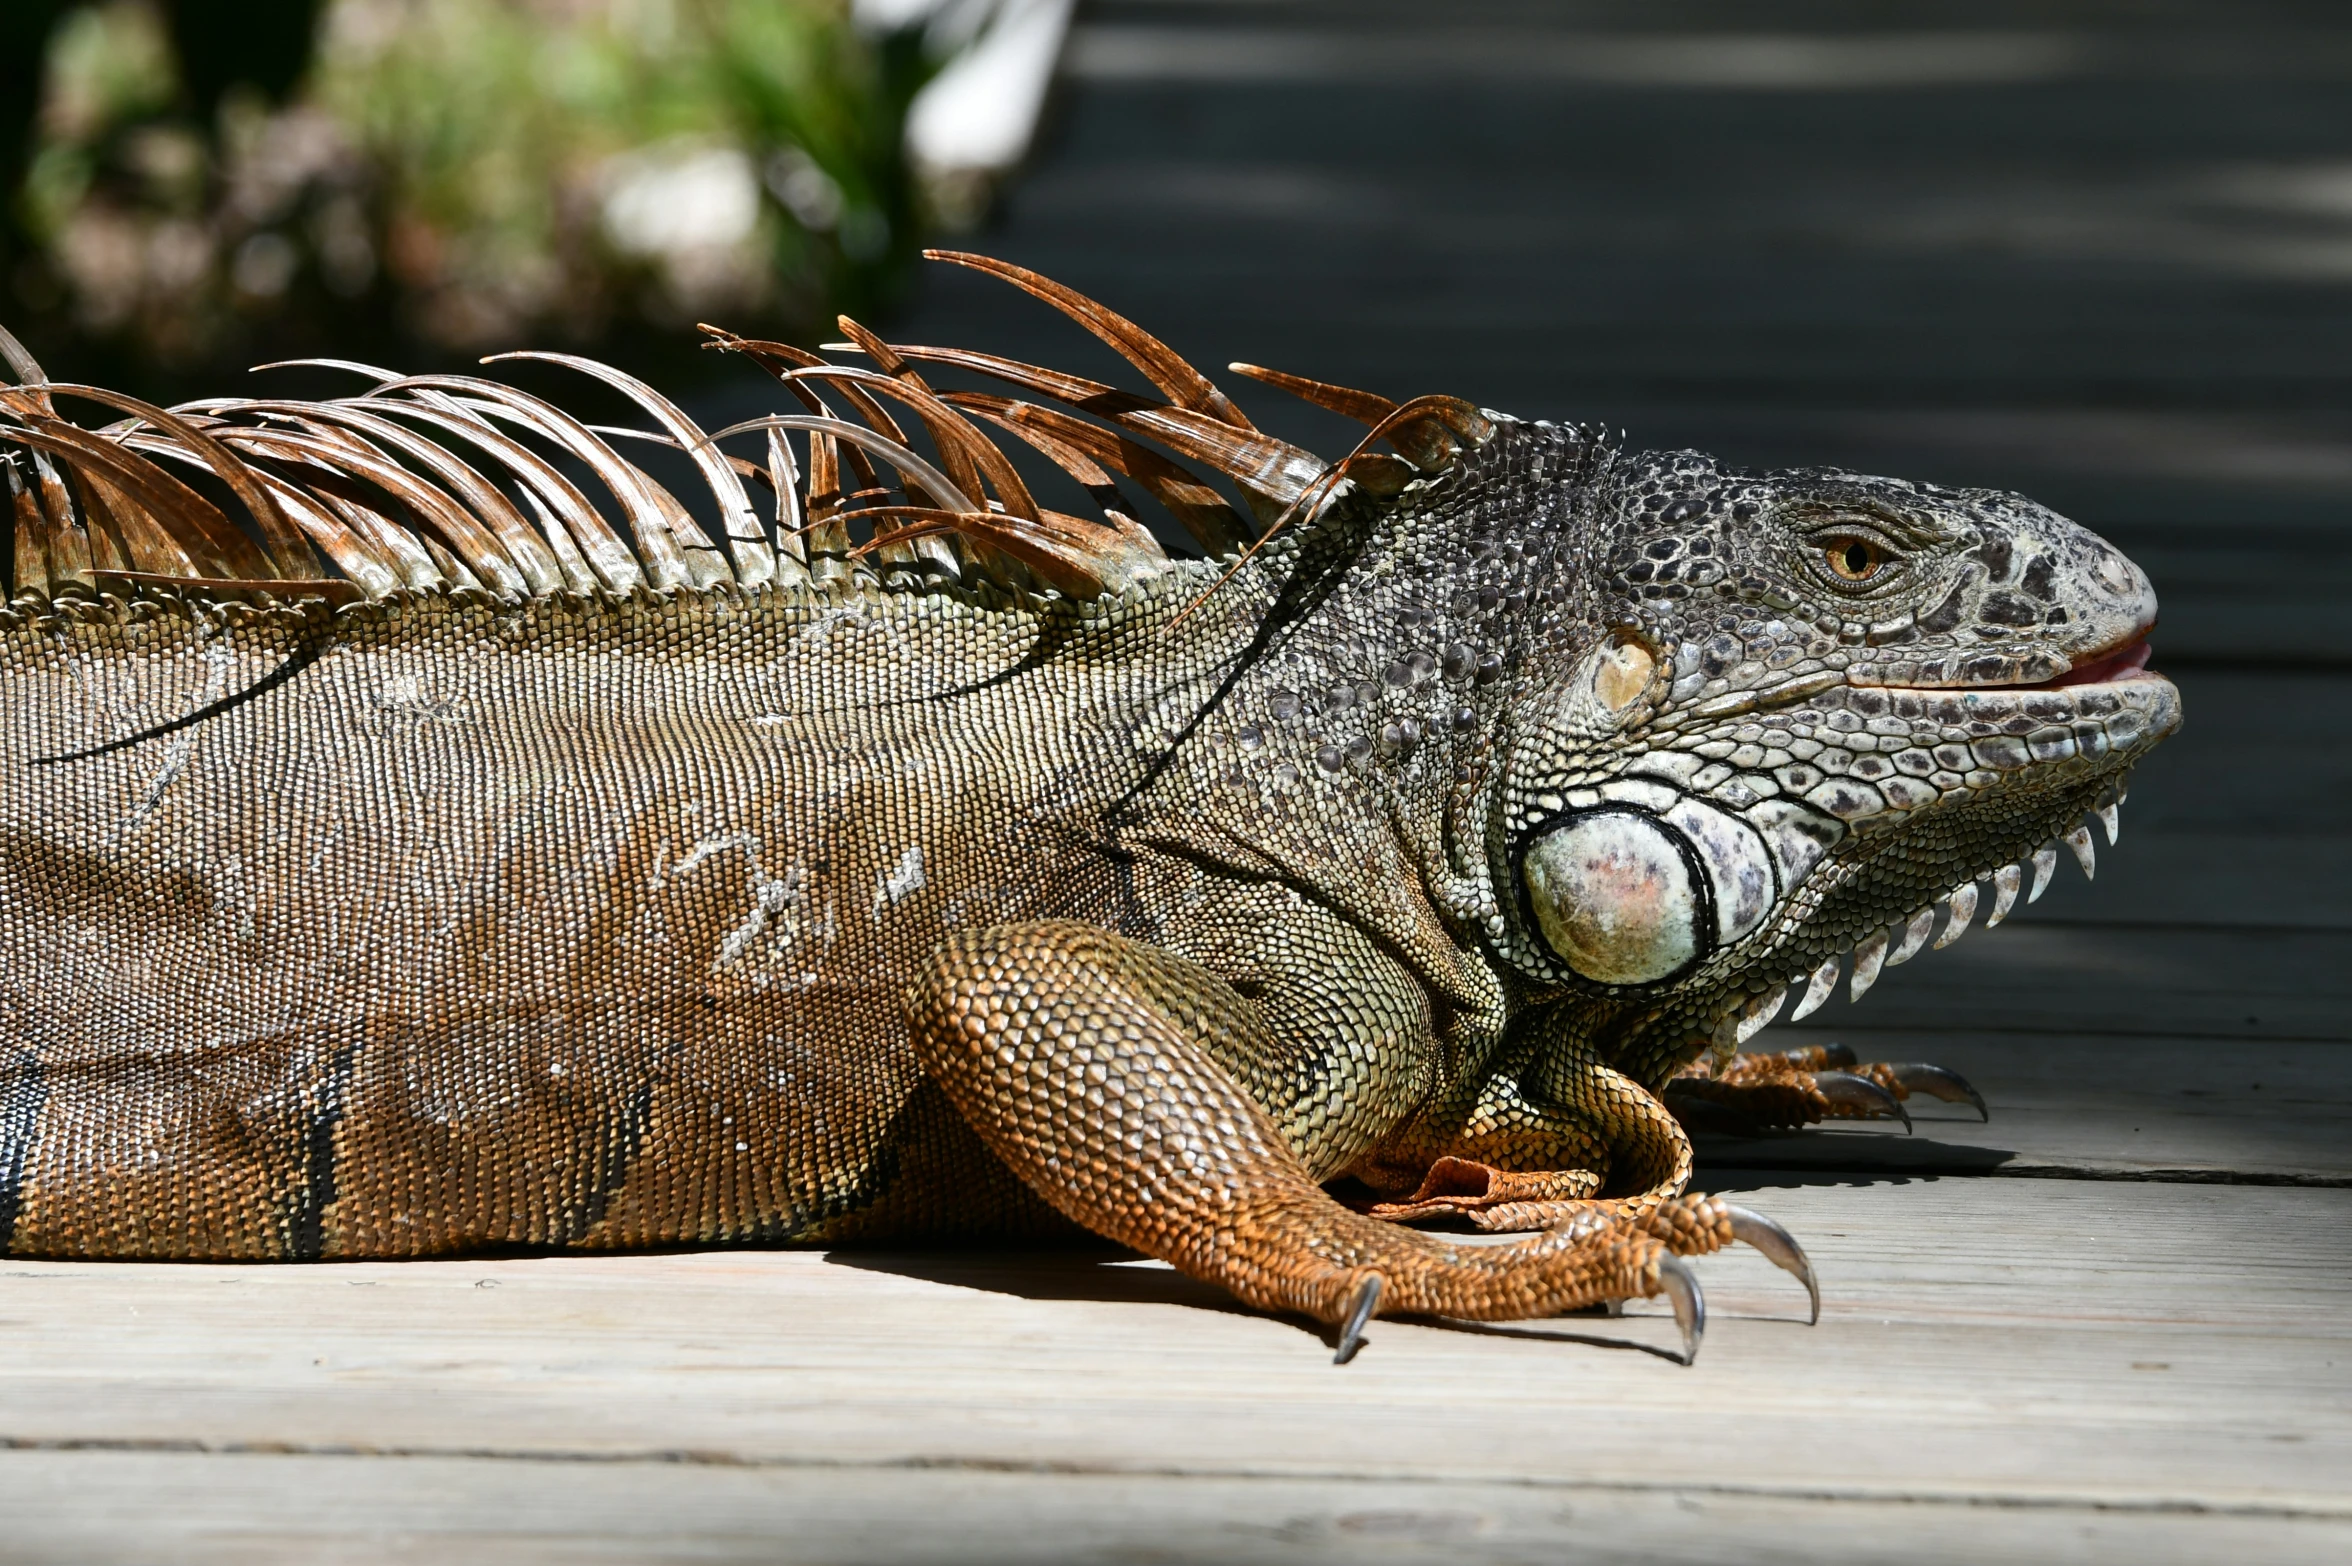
<point>1854,559</point>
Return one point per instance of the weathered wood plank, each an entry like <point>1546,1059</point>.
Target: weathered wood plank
<point>259,1510</point>
<point>1986,1343</point>
<point>2076,291</point>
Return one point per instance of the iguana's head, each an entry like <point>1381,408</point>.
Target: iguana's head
<point>1785,716</point>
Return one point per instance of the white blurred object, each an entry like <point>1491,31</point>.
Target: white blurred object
<point>890,16</point>
<point>972,123</point>
<point>663,201</point>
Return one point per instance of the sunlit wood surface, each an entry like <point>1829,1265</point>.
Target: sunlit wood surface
<point>2152,1369</point>
<point>2115,1323</point>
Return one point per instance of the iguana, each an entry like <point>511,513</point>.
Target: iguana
<point>403,853</point>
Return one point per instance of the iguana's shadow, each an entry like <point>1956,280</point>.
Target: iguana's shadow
<point>1113,1275</point>
<point>1813,1157</point>
<point>1083,1269</point>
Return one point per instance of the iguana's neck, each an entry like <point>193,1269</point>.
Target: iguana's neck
<point>1347,741</point>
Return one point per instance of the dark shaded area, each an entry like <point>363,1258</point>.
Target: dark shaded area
<point>225,44</point>
<point>264,45</point>
<point>160,238</point>
<point>1111,1275</point>
<point>24,39</point>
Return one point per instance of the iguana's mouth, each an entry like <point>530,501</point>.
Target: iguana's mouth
<point>2130,662</point>
<point>2122,664</point>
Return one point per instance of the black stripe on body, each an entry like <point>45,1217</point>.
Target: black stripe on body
<point>619,1154</point>
<point>306,1233</point>
<point>24,1088</point>
<point>297,661</point>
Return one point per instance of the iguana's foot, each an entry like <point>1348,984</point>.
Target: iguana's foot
<point>1089,1064</point>
<point>1800,1087</point>
<point>1503,1201</point>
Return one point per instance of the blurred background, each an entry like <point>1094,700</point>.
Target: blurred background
<point>195,184</point>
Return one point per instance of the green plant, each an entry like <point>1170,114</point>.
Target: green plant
<point>461,173</point>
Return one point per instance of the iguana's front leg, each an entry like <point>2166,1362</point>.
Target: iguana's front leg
<point>1091,1065</point>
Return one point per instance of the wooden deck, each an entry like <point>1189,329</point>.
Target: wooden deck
<point>2102,264</point>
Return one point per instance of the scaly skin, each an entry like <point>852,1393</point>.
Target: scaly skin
<point>1422,855</point>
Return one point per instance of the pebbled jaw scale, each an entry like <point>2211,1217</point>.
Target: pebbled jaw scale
<point>1869,957</point>
<point>1745,1018</point>
<point>2006,881</point>
<point>1916,930</point>
<point>2079,841</point>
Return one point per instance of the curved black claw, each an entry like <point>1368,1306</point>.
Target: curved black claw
<point>1690,1306</point>
<point>1780,1248</point>
<point>1359,1316</point>
<point>1839,1054</point>
<point>1918,1076</point>
<point>1849,1091</point>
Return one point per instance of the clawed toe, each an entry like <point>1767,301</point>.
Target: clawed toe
<point>1780,1248</point>
<point>1681,1286</point>
<point>1856,1097</point>
<point>1811,1057</point>
<point>1699,1114</point>
<point>1795,1087</point>
<point>1359,1316</point>
<point>1899,1078</point>
<point>1917,1076</point>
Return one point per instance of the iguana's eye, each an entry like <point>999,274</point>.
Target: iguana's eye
<point>1854,559</point>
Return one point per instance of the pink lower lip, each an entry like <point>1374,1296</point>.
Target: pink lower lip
<point>2122,665</point>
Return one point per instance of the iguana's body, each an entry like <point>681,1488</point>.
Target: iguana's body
<point>674,919</point>
<point>630,914</point>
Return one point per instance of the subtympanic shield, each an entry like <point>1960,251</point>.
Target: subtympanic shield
<point>1620,896</point>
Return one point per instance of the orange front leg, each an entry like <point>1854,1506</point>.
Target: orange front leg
<point>1089,1064</point>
